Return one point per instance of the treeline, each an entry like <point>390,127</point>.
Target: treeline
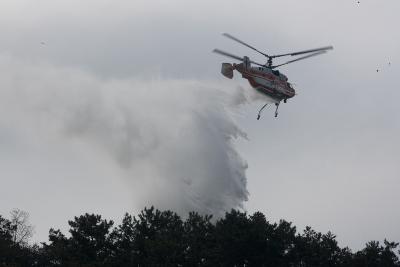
<point>162,238</point>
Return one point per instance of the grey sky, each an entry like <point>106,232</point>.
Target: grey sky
<point>330,160</point>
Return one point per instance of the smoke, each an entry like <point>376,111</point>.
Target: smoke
<point>171,140</point>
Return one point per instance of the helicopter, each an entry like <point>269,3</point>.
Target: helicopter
<point>265,78</point>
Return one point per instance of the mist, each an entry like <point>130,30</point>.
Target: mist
<point>172,140</point>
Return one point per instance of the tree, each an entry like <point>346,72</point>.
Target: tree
<point>232,238</point>
<point>7,251</point>
<point>22,229</point>
<point>199,240</point>
<point>376,255</point>
<point>317,249</point>
<point>123,236</point>
<point>59,251</point>
<point>161,238</point>
<point>280,243</point>
<point>252,241</point>
<point>158,238</point>
<point>259,232</point>
<point>89,240</point>
<point>89,245</point>
<point>13,251</point>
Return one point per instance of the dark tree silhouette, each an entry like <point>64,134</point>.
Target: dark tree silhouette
<point>158,238</point>
<point>315,249</point>
<point>376,255</point>
<point>124,235</point>
<point>13,253</point>
<point>232,239</point>
<point>162,238</point>
<point>7,251</point>
<point>199,241</point>
<point>89,244</point>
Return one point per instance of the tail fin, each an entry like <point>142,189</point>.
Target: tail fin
<point>227,70</point>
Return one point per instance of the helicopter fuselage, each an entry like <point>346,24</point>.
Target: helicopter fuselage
<point>267,81</point>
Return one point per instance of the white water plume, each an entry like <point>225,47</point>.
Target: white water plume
<point>172,140</point>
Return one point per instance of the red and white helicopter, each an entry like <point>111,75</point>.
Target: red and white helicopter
<point>265,78</point>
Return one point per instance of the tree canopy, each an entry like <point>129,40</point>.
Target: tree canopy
<point>162,238</point>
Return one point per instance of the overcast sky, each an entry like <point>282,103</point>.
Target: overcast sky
<point>73,72</point>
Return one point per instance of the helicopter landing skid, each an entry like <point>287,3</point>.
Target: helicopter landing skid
<point>259,112</point>
<point>261,109</point>
<point>276,110</point>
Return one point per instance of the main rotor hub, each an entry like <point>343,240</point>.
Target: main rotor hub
<point>269,62</point>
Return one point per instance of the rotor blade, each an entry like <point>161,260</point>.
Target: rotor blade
<point>218,51</point>
<point>243,43</point>
<point>305,51</point>
<point>227,54</point>
<point>300,58</point>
